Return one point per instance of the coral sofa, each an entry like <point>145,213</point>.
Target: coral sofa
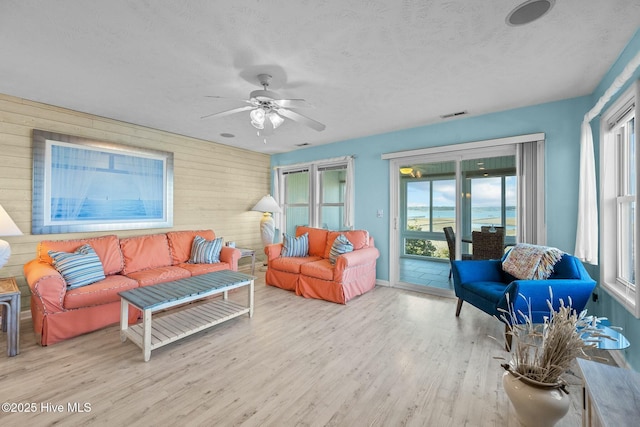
<point>314,276</point>
<point>60,312</point>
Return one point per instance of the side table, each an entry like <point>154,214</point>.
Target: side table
<point>10,300</point>
<point>252,253</point>
<point>611,395</point>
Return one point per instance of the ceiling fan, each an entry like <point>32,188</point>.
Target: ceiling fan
<point>268,110</point>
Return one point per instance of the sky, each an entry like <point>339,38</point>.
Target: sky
<point>486,192</point>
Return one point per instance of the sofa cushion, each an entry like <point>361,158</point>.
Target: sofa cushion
<point>487,291</point>
<point>79,268</point>
<point>180,243</point>
<point>566,268</point>
<point>145,252</point>
<point>291,264</point>
<point>198,269</point>
<point>159,275</point>
<point>102,292</point>
<point>358,238</point>
<point>205,251</point>
<point>341,245</point>
<point>295,246</point>
<point>107,248</point>
<point>321,269</point>
<point>317,239</point>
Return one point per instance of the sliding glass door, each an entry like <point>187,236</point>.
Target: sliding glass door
<point>428,205</point>
<point>489,195</point>
<point>462,191</point>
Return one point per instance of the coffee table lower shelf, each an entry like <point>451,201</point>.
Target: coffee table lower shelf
<point>176,309</point>
<point>175,325</point>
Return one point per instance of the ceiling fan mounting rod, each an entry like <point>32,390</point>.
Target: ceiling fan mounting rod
<point>264,80</point>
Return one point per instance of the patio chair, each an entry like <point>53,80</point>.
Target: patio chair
<point>488,245</point>
<point>451,242</point>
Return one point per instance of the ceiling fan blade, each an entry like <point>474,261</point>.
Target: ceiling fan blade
<point>229,112</point>
<point>292,103</point>
<point>301,119</point>
<point>226,97</point>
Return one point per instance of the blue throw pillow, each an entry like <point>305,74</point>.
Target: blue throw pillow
<point>80,268</point>
<point>295,246</point>
<point>205,251</point>
<point>340,246</point>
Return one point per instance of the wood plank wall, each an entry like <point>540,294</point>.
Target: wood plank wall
<point>215,185</point>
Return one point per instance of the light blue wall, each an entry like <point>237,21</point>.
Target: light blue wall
<point>560,121</point>
<point>606,305</point>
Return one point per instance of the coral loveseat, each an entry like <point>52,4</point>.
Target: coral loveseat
<point>60,313</point>
<point>314,276</point>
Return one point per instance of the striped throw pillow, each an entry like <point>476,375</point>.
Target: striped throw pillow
<point>80,268</point>
<point>295,246</point>
<point>205,251</point>
<point>340,246</point>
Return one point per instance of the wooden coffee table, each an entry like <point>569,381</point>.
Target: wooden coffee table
<point>174,324</point>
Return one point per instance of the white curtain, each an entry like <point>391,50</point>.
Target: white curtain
<point>73,174</point>
<point>143,178</point>
<point>278,195</point>
<point>349,194</point>
<point>587,227</point>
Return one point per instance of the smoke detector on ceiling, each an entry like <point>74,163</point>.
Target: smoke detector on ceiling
<point>529,11</point>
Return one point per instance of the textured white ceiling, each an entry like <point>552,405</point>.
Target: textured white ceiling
<point>367,67</point>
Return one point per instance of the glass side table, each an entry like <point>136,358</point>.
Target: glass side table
<point>609,339</point>
<point>10,300</point>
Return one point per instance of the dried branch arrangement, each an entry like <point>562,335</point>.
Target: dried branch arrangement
<point>543,352</point>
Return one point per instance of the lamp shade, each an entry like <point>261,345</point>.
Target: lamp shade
<point>7,226</point>
<point>267,204</point>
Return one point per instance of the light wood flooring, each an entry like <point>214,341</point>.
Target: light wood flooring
<point>387,358</point>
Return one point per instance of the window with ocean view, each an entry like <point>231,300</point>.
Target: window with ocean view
<point>489,194</point>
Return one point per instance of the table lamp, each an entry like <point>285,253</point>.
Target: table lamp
<point>267,226</point>
<point>7,228</point>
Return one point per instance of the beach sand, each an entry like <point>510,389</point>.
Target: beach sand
<point>440,223</point>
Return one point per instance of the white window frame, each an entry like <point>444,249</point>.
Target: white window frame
<point>316,203</point>
<point>612,197</point>
<point>531,224</point>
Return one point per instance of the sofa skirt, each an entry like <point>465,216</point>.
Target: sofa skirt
<point>282,279</point>
<point>358,280</point>
<point>56,327</point>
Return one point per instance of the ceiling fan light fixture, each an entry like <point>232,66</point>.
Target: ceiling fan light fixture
<point>528,12</point>
<point>275,119</point>
<point>257,118</point>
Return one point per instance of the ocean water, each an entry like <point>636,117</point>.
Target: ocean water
<point>479,216</point>
<point>94,209</point>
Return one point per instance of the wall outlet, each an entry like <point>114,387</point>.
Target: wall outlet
<point>379,213</point>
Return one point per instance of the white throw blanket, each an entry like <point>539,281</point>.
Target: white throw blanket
<point>528,262</point>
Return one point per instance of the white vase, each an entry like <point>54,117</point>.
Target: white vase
<point>536,405</point>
